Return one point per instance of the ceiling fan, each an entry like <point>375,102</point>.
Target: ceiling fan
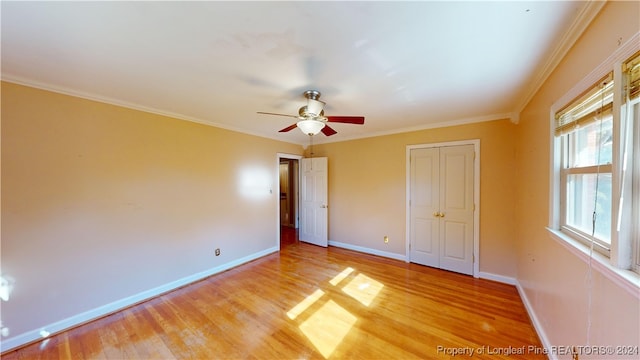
<point>312,119</point>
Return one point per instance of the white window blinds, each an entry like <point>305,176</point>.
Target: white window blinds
<point>632,69</point>
<point>592,105</point>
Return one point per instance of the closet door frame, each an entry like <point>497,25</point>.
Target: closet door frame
<point>476,197</point>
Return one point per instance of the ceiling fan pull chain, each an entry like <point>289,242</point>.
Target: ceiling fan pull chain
<point>311,150</point>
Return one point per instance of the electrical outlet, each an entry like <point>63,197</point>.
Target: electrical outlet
<point>218,252</point>
<point>386,239</point>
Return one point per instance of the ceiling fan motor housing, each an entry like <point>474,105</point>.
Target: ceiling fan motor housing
<point>305,113</point>
<point>314,106</point>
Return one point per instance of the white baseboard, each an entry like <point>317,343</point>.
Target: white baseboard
<point>536,322</point>
<point>527,304</point>
<point>34,335</point>
<point>498,278</point>
<point>368,250</point>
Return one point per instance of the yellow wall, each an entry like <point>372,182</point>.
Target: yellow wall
<point>554,280</point>
<point>101,202</point>
<point>367,190</point>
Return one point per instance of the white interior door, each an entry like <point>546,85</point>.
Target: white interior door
<point>424,204</point>
<point>441,206</point>
<point>456,208</point>
<point>314,201</point>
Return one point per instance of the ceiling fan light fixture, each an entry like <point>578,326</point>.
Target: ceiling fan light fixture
<point>310,127</point>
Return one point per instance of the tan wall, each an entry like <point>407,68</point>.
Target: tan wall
<point>101,202</point>
<point>367,190</point>
<point>553,278</point>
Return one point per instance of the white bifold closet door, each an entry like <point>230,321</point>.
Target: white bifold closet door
<point>442,207</point>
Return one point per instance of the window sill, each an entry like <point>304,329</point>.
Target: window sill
<point>626,279</point>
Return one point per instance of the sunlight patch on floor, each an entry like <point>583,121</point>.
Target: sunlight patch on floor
<point>305,304</point>
<point>327,327</point>
<point>363,288</point>
<point>338,278</point>
<point>328,322</point>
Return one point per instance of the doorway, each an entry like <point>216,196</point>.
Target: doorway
<point>288,204</point>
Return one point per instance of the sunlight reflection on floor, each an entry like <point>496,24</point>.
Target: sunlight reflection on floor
<point>327,326</point>
<point>304,304</point>
<point>363,288</point>
<point>338,278</point>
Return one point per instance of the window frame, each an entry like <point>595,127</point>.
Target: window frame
<point>634,208</point>
<point>567,149</point>
<point>620,263</point>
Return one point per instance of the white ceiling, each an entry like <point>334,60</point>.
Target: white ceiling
<point>402,65</point>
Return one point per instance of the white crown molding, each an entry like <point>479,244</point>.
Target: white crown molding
<point>116,102</point>
<point>128,105</point>
<point>584,18</point>
<point>428,126</point>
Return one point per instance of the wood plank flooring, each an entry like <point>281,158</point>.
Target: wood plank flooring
<point>308,302</point>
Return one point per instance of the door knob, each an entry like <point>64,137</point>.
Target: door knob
<point>324,206</point>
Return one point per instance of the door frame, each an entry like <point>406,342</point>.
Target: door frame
<point>296,192</point>
<point>476,197</point>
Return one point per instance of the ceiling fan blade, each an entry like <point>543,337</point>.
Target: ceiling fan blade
<point>289,128</point>
<point>346,119</point>
<point>328,131</point>
<point>268,113</point>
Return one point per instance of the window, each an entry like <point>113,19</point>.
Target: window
<point>585,129</point>
<point>595,198</point>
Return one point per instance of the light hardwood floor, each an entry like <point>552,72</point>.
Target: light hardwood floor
<point>308,302</point>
